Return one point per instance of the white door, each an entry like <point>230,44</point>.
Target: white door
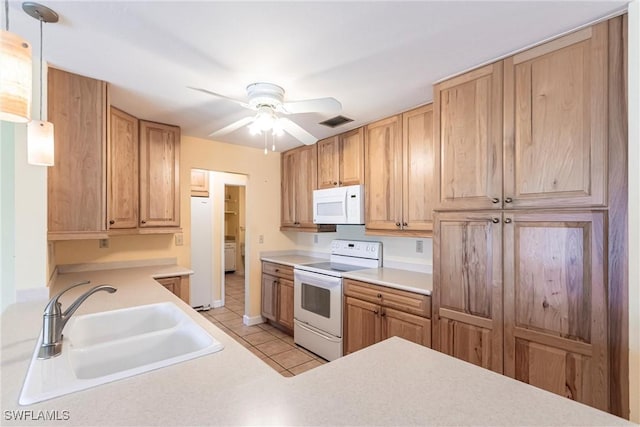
<point>201,252</point>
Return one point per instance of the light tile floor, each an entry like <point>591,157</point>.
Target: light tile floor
<point>271,345</point>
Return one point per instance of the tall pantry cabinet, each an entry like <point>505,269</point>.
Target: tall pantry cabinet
<point>526,192</point>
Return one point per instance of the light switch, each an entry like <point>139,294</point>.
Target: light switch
<point>419,246</point>
<point>103,243</point>
<point>261,239</point>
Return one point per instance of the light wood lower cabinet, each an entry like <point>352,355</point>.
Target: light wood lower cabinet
<point>533,280</point>
<point>178,285</point>
<point>374,313</point>
<point>277,295</point>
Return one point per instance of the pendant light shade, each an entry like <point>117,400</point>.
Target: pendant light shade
<point>40,143</point>
<point>15,78</point>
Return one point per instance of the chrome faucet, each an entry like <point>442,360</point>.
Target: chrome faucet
<point>54,319</point>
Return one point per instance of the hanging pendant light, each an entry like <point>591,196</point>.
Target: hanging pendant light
<point>15,75</point>
<point>40,144</point>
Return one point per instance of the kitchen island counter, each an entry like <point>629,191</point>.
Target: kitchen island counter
<point>394,382</point>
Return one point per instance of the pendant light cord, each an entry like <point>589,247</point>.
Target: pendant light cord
<point>6,15</point>
<point>41,49</point>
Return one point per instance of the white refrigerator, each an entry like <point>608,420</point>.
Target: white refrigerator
<point>201,253</point>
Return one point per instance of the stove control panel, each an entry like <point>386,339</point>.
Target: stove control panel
<point>357,248</point>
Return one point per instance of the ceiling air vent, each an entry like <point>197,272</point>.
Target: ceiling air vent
<point>336,121</point>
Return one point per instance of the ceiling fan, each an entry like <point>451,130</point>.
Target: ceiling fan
<point>267,99</point>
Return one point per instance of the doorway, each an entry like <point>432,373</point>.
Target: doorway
<point>234,247</point>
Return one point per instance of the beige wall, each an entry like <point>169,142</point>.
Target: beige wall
<point>262,214</point>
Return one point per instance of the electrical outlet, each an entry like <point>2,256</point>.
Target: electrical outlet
<point>179,238</point>
<point>261,239</point>
<point>315,239</point>
<point>419,246</point>
<point>103,243</point>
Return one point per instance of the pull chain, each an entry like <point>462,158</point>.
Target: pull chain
<point>41,49</point>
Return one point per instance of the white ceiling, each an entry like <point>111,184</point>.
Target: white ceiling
<point>377,58</point>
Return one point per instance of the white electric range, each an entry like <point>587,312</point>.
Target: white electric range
<point>318,295</point>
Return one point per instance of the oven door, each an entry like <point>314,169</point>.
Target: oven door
<point>318,301</point>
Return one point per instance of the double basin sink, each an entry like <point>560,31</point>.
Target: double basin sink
<point>108,346</point>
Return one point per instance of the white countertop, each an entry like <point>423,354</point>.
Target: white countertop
<point>413,281</point>
<point>391,383</point>
<point>292,260</point>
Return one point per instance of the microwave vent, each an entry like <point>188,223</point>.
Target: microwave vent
<point>336,121</point>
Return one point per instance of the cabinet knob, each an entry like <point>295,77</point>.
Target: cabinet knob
<point>404,224</point>
<point>379,295</point>
<point>382,312</point>
<point>143,221</point>
<point>276,270</point>
<point>508,200</point>
<point>112,222</point>
<point>335,183</point>
<point>495,220</point>
<point>495,200</point>
<point>375,311</point>
<point>507,220</point>
<point>397,224</point>
<point>339,182</point>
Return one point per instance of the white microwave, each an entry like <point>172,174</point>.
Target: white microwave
<point>339,205</point>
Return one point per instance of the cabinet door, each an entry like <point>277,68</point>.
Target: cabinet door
<point>285,303</point>
<point>362,325</point>
<point>468,131</point>
<point>269,297</point>
<point>122,166</point>
<point>76,183</point>
<point>172,284</point>
<point>383,192</point>
<point>556,122</point>
<point>199,183</point>
<point>351,157</point>
<point>467,287</point>
<point>555,308</point>
<point>305,182</point>
<point>404,325</point>
<point>328,159</point>
<point>418,148</point>
<point>159,175</point>
<point>287,197</point>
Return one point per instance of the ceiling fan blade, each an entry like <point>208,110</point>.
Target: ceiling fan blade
<point>320,105</point>
<point>297,132</point>
<point>233,126</point>
<point>237,101</point>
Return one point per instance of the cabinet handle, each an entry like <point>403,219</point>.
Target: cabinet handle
<point>379,295</point>
<point>507,220</point>
<point>143,221</point>
<point>508,200</point>
<point>495,200</point>
<point>404,224</point>
<point>112,222</point>
<point>495,220</point>
<point>397,224</point>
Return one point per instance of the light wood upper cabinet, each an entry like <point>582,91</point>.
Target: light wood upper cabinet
<point>76,183</point>
<point>341,159</point>
<point>199,183</point>
<point>122,169</point>
<point>418,151</point>
<point>555,303</point>
<point>383,191</point>
<point>299,173</point>
<point>556,122</point>
<point>467,296</point>
<point>400,155</point>
<point>468,131</point>
<point>159,175</point>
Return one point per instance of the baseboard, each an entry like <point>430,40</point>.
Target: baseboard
<point>251,321</point>
<point>217,303</point>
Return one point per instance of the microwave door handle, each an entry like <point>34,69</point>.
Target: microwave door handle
<point>345,201</point>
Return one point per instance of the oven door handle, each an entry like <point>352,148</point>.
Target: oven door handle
<point>323,336</point>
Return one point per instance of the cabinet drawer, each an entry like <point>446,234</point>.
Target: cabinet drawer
<point>277,270</point>
<point>388,297</point>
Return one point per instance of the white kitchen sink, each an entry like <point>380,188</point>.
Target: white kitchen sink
<point>103,347</point>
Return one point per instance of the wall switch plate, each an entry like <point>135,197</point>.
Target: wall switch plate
<point>261,239</point>
<point>103,243</point>
<point>179,238</point>
<point>419,246</point>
